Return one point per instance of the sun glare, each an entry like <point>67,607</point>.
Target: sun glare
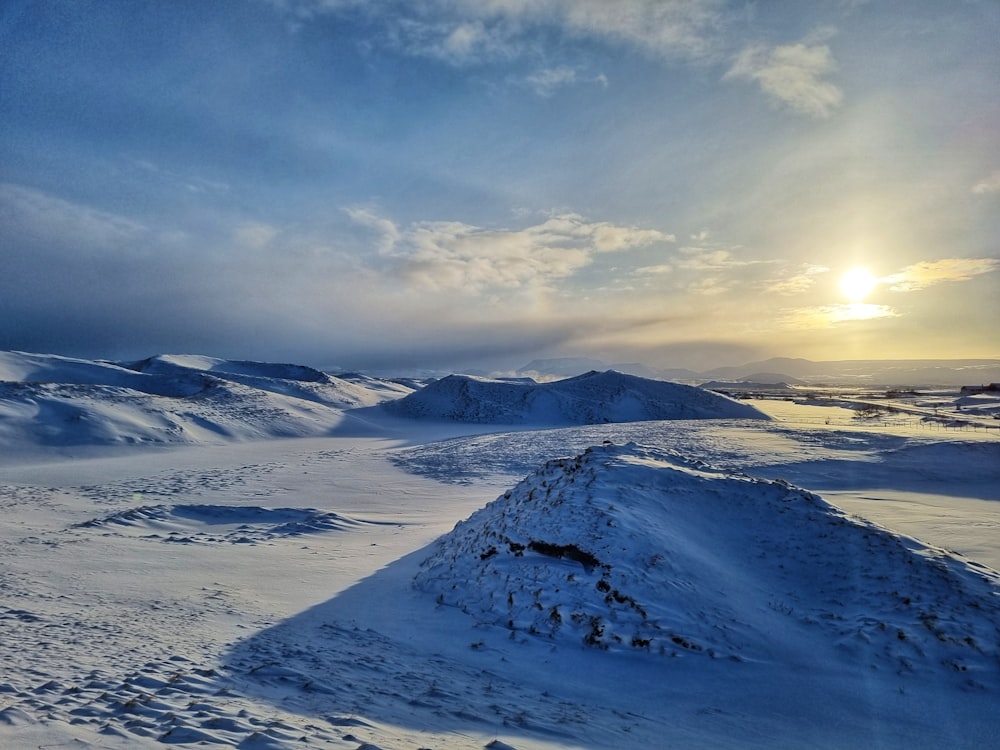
<point>857,284</point>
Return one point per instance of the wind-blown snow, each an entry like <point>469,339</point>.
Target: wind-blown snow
<point>637,548</point>
<point>591,398</point>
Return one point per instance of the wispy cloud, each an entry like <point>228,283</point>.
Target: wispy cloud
<point>795,283</point>
<point>50,220</point>
<point>457,256</point>
<point>928,273</point>
<point>386,230</point>
<point>711,286</point>
<point>547,81</point>
<point>468,31</point>
<point>669,28</point>
<point>791,75</point>
<point>990,184</point>
<point>828,316</point>
<point>660,269</point>
<point>456,41</point>
<point>698,258</point>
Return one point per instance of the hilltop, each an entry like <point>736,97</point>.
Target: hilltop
<point>591,398</point>
<point>639,549</point>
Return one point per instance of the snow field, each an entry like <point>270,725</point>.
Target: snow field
<point>428,587</point>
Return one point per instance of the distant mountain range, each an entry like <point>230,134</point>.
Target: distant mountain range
<point>794,371</point>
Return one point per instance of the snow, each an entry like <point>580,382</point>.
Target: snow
<point>634,547</point>
<point>170,400</point>
<point>335,587</point>
<point>591,398</point>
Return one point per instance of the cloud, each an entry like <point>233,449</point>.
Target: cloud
<point>468,31</point>
<point>797,283</point>
<point>710,259</point>
<point>990,184</point>
<point>86,282</point>
<point>457,42</point>
<point>442,255</point>
<point>711,286</point>
<point>47,220</point>
<point>667,28</point>
<point>546,81</point>
<point>928,273</point>
<point>657,270</point>
<point>827,316</point>
<point>791,75</point>
<point>385,229</point>
<point>254,234</point>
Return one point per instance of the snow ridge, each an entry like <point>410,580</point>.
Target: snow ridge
<point>639,549</point>
<point>591,398</point>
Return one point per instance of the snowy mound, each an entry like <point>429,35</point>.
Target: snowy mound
<point>637,548</point>
<point>49,400</point>
<point>592,398</point>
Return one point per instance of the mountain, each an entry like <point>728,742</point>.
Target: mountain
<point>797,371</point>
<point>62,401</point>
<point>591,398</point>
<point>771,377</point>
<point>631,548</point>
<point>560,367</point>
<point>889,372</point>
<point>743,386</point>
<point>564,367</point>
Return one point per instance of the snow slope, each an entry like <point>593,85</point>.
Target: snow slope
<point>637,548</point>
<point>591,398</point>
<point>717,611</point>
<point>173,399</point>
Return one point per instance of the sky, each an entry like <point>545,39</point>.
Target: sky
<point>461,184</point>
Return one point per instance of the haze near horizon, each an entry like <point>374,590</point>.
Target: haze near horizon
<point>448,185</point>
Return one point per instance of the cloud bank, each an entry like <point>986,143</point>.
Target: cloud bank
<point>453,256</point>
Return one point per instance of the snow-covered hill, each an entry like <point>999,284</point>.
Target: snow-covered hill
<point>635,548</point>
<point>49,400</point>
<point>591,398</point>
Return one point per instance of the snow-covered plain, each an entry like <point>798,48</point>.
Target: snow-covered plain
<point>199,551</point>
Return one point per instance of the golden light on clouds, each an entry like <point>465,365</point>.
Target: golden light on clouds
<point>827,316</point>
<point>928,273</point>
<point>859,283</point>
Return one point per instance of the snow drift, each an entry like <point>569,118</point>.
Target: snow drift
<point>592,398</point>
<point>634,548</point>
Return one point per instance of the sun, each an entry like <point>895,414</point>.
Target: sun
<point>857,284</point>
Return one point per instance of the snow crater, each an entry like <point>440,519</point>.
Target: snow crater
<point>202,523</point>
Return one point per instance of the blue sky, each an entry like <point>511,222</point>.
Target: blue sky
<point>452,184</point>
